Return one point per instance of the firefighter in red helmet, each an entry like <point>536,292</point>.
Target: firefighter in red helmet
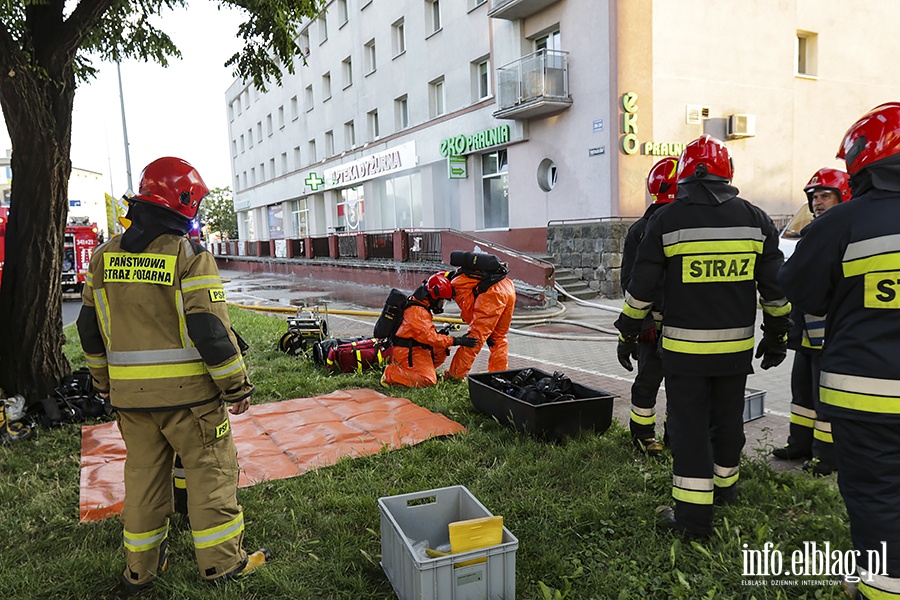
<point>157,338</point>
<point>662,187</point>
<point>810,431</point>
<point>707,253</point>
<point>847,267</point>
<point>418,348</point>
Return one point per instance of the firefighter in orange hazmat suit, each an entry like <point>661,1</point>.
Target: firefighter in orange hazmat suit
<point>486,304</point>
<point>418,348</point>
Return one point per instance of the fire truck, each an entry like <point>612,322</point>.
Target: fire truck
<point>4,217</point>
<point>78,246</point>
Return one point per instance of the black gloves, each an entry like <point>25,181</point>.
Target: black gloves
<point>465,340</point>
<point>626,350</point>
<point>490,342</point>
<point>772,349</point>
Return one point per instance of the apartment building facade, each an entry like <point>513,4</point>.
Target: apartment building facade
<point>496,117</point>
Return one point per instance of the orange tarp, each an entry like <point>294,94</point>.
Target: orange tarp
<point>275,441</point>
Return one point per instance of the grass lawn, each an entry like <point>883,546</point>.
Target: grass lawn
<point>583,510</point>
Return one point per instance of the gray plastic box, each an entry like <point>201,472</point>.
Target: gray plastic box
<point>754,404</point>
<point>410,518</point>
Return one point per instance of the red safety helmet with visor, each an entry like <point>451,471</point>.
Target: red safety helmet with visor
<point>833,180</point>
<point>875,136</point>
<point>705,158</point>
<point>173,184</point>
<point>661,182</point>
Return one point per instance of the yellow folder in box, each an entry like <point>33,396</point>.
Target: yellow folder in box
<point>474,534</point>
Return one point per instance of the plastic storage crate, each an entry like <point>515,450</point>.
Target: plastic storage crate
<point>754,404</point>
<point>592,409</point>
<point>411,518</point>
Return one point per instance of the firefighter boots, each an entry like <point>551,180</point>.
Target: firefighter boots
<point>12,431</point>
<point>649,446</point>
<point>791,452</point>
<point>666,520</point>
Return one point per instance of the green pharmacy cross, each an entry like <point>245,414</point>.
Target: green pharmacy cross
<point>313,181</point>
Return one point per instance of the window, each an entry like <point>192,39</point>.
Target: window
<point>326,86</point>
<point>231,112</point>
<point>476,3</point>
<point>436,97</point>
<point>303,42</point>
<point>433,16</point>
<point>295,108</point>
<point>249,138</point>
<point>276,221</point>
<point>281,117</point>
<point>309,98</point>
<point>323,28</point>
<point>259,131</point>
<point>495,191</point>
<point>401,201</point>
<point>271,168</point>
<point>237,104</point>
<point>312,150</point>
<point>234,148</point>
<point>252,175</point>
<point>374,131</point>
<point>297,158</point>
<point>237,182</point>
<point>299,218</point>
<point>349,135</point>
<point>247,222</point>
<point>284,163</point>
<point>343,15</point>
<point>350,210</point>
<point>242,143</point>
<point>347,68</point>
<point>329,144</point>
<point>269,124</point>
<point>807,46</point>
<point>262,172</point>
<point>401,112</point>
<point>551,41</point>
<point>369,51</point>
<point>482,72</point>
<point>398,38</point>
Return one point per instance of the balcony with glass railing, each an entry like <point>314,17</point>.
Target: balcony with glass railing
<point>536,85</point>
<point>517,9</point>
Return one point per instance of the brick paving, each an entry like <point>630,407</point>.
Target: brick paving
<point>589,360</point>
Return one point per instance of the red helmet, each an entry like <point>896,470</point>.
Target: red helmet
<point>439,287</point>
<point>875,136</point>
<point>834,180</point>
<point>705,157</point>
<point>661,182</point>
<point>174,184</point>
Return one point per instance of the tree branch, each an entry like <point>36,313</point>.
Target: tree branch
<point>78,26</point>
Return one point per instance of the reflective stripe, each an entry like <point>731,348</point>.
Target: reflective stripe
<point>141,542</point>
<point>707,335</point>
<point>882,262</point>
<point>713,233</point>
<point>643,412</point>
<point>641,420</point>
<point>776,308</point>
<point>89,279</point>
<point>180,483</point>
<point>214,536</point>
<point>707,347</point>
<point>98,361</point>
<point>230,368</point>
<point>102,308</point>
<point>866,394</point>
<point>823,436</point>
<point>159,371</point>
<point>725,476</point>
<point>881,587</point>
<point>713,247</point>
<point>802,416</point>
<point>150,357</point>
<point>179,472</point>
<point>188,248</point>
<point>637,304</point>
<point>695,490</point>
<point>871,247</point>
<point>192,284</point>
<point>186,341</point>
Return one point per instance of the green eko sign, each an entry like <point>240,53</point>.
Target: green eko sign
<point>462,144</point>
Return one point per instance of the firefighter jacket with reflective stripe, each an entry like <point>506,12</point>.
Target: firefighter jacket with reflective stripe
<point>709,259</point>
<point>629,254</point>
<point>155,327</point>
<point>848,267</point>
<point>807,332</point>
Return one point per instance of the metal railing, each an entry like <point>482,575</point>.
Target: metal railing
<point>320,247</point>
<point>425,246</point>
<point>541,74</point>
<point>380,245</point>
<point>347,246</point>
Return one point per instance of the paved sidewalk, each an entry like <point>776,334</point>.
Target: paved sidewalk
<point>589,358</point>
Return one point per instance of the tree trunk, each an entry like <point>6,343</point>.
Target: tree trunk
<point>37,105</point>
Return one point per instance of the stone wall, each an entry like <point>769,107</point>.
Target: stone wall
<point>592,250</point>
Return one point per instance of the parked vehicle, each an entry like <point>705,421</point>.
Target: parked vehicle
<point>790,234</point>
<point>80,241</point>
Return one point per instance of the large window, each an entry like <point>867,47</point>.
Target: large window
<point>350,210</point>
<point>299,218</point>
<point>401,202</point>
<point>247,230</point>
<point>276,222</point>
<point>495,190</point>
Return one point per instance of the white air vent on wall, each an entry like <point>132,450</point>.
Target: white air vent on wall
<point>741,126</point>
<point>695,113</point>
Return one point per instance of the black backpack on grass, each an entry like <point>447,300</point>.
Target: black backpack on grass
<point>74,401</point>
<point>391,315</point>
